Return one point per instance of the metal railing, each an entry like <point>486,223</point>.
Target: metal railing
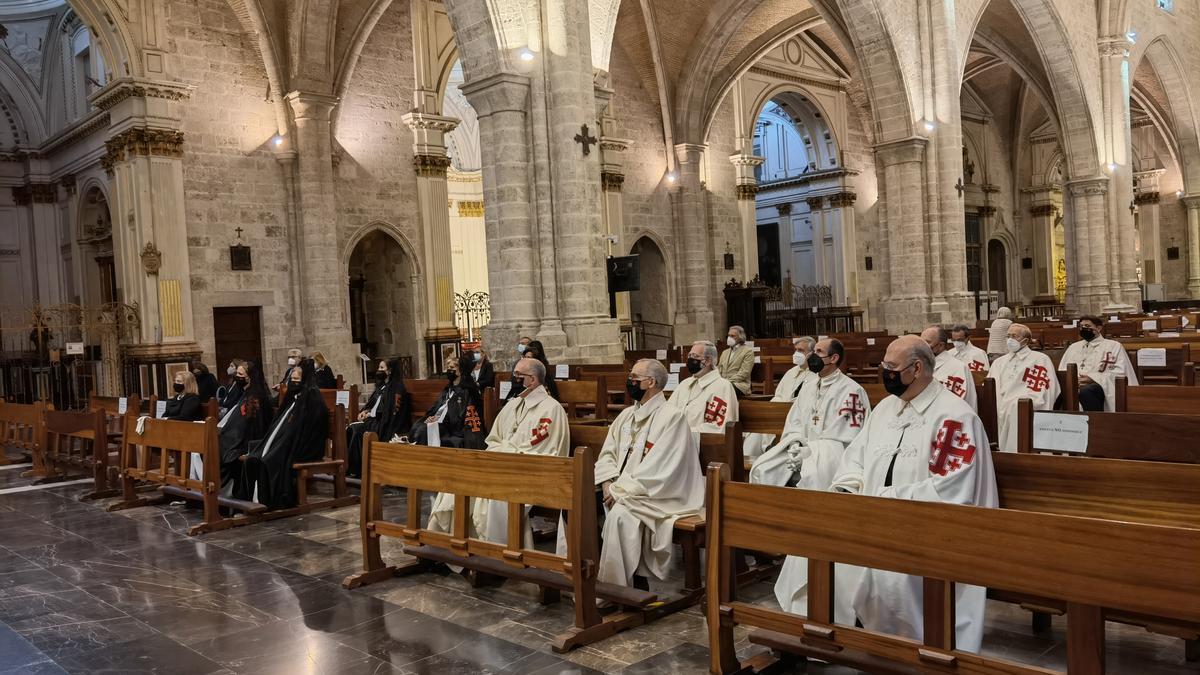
<point>472,311</point>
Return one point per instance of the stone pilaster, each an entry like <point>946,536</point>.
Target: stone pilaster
<point>903,217</point>
<point>694,315</point>
<point>1192,202</point>
<point>612,180</point>
<point>1042,213</point>
<point>816,215</point>
<point>39,201</point>
<point>1089,225</point>
<point>1115,80</point>
<point>747,189</point>
<point>842,211</point>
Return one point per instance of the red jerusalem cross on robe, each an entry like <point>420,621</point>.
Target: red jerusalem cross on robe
<point>541,432</point>
<point>714,412</point>
<point>1110,359</point>
<point>951,450</point>
<point>854,410</point>
<point>1036,378</point>
<point>955,385</point>
<point>975,367</point>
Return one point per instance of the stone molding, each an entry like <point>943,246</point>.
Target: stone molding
<point>129,87</point>
<point>690,153</point>
<point>842,199</point>
<point>1191,202</point>
<point>35,193</point>
<point>807,178</point>
<point>311,106</point>
<point>141,143</point>
<point>417,120</point>
<point>746,191</point>
<point>610,144</point>
<point>830,84</point>
<point>431,166</point>
<point>746,160</point>
<point>1042,210</point>
<point>611,181</point>
<point>1088,186</point>
<point>502,92</point>
<point>904,151</point>
<point>986,210</point>
<point>1146,198</point>
<point>68,183</point>
<point>1115,45</point>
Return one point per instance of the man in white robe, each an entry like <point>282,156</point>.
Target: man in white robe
<point>1101,361</point>
<point>975,358</point>
<point>708,400</point>
<point>922,443</point>
<point>532,423</point>
<point>789,388</point>
<point>649,471</point>
<point>823,420</point>
<point>951,372</point>
<point>1022,373</point>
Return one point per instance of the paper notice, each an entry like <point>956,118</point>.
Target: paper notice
<point>122,405</point>
<point>562,371</point>
<point>160,409</point>
<point>870,342</point>
<point>672,381</point>
<point>1061,432</point>
<point>1150,324</point>
<point>676,367</point>
<point>758,359</point>
<point>660,354</point>
<point>433,435</point>
<point>505,389</point>
<point>1155,357</point>
<point>343,399</point>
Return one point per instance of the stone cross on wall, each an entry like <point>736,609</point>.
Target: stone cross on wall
<point>586,139</point>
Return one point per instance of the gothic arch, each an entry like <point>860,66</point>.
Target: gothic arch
<point>665,275</point>
<point>390,230</point>
<point>490,33</point>
<point>358,41</point>
<point>1182,122</point>
<point>602,15</point>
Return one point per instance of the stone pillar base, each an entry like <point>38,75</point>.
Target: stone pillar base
<point>695,326</point>
<point>1118,308</point>
<point>594,341</point>
<point>1193,288</point>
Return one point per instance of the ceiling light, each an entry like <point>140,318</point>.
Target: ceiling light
<point>525,54</point>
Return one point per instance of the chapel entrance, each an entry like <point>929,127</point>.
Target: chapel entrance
<point>239,337</point>
<point>649,307</point>
<point>382,316</point>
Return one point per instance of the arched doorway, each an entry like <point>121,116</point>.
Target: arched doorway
<point>650,307</point>
<point>998,270</point>
<point>97,266</point>
<point>382,318</point>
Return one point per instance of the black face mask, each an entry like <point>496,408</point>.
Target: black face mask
<point>241,380</point>
<point>380,376</point>
<point>518,385</point>
<point>694,365</point>
<point>451,375</point>
<point>635,391</point>
<point>815,363</point>
<point>178,388</point>
<point>1087,334</point>
<point>893,384</point>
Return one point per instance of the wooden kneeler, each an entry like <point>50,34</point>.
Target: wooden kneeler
<point>566,484</point>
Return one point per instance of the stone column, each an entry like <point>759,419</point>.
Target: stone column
<point>1042,213</point>
<point>1115,81</point>
<point>900,162</point>
<point>1090,228</point>
<point>843,205</point>
<point>40,199</point>
<point>1192,202</point>
<point>612,179</point>
<point>327,325</point>
<point>430,163</point>
<point>694,318</point>
<point>816,215</point>
<point>747,189</point>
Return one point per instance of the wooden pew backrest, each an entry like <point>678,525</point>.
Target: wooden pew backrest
<point>1162,399</point>
<point>1140,436</point>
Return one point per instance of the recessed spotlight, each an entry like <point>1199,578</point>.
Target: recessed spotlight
<point>671,177</point>
<point>1112,166</point>
<point>928,125</point>
<point>525,54</point>
<point>277,140</point>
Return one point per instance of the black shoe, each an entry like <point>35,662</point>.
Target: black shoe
<point>641,583</point>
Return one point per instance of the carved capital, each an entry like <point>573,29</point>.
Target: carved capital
<point>987,210</point>
<point>431,166</point>
<point>784,209</point>
<point>815,203</point>
<point>746,160</point>
<point>142,143</point>
<point>747,191</point>
<point>1042,210</point>
<point>128,87</point>
<point>903,151</point>
<point>1115,45</point>
<point>310,106</point>
<point>610,181</point>
<point>68,183</point>
<point>842,199</point>
<point>421,121</point>
<point>22,195</point>
<point>1088,186</point>
<point>610,144</point>
<point>1146,198</point>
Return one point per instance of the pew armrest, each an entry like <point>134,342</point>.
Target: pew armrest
<point>327,465</point>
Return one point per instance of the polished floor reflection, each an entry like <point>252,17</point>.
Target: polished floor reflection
<point>85,591</point>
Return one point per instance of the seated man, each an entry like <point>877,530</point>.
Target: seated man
<point>1022,373</point>
<point>649,475</point>
<point>708,400</point>
<point>388,413</point>
<point>787,391</point>
<point>737,362</point>
<point>533,423</point>
<point>1100,361</point>
<point>975,358</point>
<point>823,420</point>
<point>293,359</point>
<point>921,443</point>
<point>952,373</point>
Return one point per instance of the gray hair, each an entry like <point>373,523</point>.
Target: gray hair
<point>1004,313</point>
<point>960,328</point>
<point>1023,330</point>
<point>539,370</point>
<point>942,336</point>
<point>655,368</point>
<point>921,352</point>
<point>807,340</point>
<point>741,332</point>
<point>710,349</point>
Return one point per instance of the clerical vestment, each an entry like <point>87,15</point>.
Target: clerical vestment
<point>1025,374</point>
<point>1104,361</point>
<point>933,449</point>
<point>789,388</point>
<point>532,424</point>
<point>708,402</point>
<point>955,377</point>
<point>975,359</point>
<point>823,420</point>
<point>650,455</point>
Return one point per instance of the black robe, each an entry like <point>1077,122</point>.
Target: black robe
<point>232,396</point>
<point>462,427</point>
<point>487,375</point>
<point>326,378</point>
<point>300,430</point>
<point>206,384</point>
<point>184,407</point>
<point>394,416</point>
<point>247,423</point>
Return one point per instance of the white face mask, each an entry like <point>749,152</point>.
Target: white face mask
<point>521,349</point>
<point>478,357</point>
<point>799,359</point>
<point>960,344</point>
<point>732,342</point>
<point>291,361</point>
<point>1014,346</point>
<point>230,370</point>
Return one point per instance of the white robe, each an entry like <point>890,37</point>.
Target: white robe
<point>1025,374</point>
<point>941,455</point>
<point>709,402</point>
<point>793,380</point>
<point>532,424</point>
<point>823,420</point>
<point>1104,361</point>
<point>974,358</point>
<point>955,377</point>
<point>652,457</point>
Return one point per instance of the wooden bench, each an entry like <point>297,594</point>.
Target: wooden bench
<point>78,441</point>
<point>1141,436</point>
<point>584,398</point>
<point>22,429</point>
<point>1179,369</point>
<point>566,484</point>
<point>424,394</point>
<point>1166,399</point>
<point>1143,569</point>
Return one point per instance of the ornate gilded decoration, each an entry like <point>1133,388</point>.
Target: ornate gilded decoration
<point>470,209</point>
<point>432,166</point>
<point>151,259</point>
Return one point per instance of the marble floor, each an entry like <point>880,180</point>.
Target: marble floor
<point>86,591</point>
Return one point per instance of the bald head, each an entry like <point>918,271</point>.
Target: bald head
<point>937,338</point>
<point>911,356</point>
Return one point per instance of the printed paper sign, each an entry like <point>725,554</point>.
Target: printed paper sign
<point>1060,432</point>
<point>1168,335</point>
<point>660,354</point>
<point>433,434</point>
<point>1113,319</point>
<point>1152,357</point>
<point>122,405</point>
<point>342,399</point>
<point>758,359</point>
<point>562,371</point>
<point>74,348</point>
<point>160,409</point>
<point>672,382</point>
<point>676,367</point>
<point>750,343</point>
<point>365,358</point>
<point>505,389</point>
<point>1150,324</point>
<point>757,350</point>
<point>870,342</point>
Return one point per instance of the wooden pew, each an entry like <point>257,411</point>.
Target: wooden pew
<point>22,428</point>
<point>1178,365</point>
<point>584,398</point>
<point>1166,399</point>
<point>331,468</point>
<point>1144,569</point>
<point>566,484</point>
<point>1134,436</point>
<point>78,441</point>
<point>985,394</point>
<point>424,394</point>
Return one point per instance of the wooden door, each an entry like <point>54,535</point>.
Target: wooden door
<point>239,336</point>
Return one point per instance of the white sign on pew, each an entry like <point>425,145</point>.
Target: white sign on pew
<point>758,359</point>
<point>1060,432</point>
<point>672,382</point>
<point>343,399</point>
<point>870,342</point>
<point>757,350</point>
<point>505,389</point>
<point>160,409</point>
<point>1151,324</point>
<point>676,367</point>
<point>562,371</point>
<point>1168,335</point>
<point>1113,319</point>
<point>122,405</point>
<point>660,354</point>
<point>750,343</point>
<point>1152,357</point>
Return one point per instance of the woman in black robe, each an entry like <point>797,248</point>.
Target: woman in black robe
<point>298,434</point>
<point>184,403</point>
<point>482,370</point>
<point>461,425</point>
<point>325,377</point>
<point>246,421</point>
<point>206,382</point>
<point>388,412</point>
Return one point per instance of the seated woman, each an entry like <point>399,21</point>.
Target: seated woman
<point>245,422</point>
<point>325,376</point>
<point>535,350</point>
<point>298,434</point>
<point>230,394</point>
<point>456,413</point>
<point>482,370</point>
<point>184,403</point>
<point>206,382</point>
<point>388,413</point>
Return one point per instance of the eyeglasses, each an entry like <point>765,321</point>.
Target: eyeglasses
<point>890,368</point>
